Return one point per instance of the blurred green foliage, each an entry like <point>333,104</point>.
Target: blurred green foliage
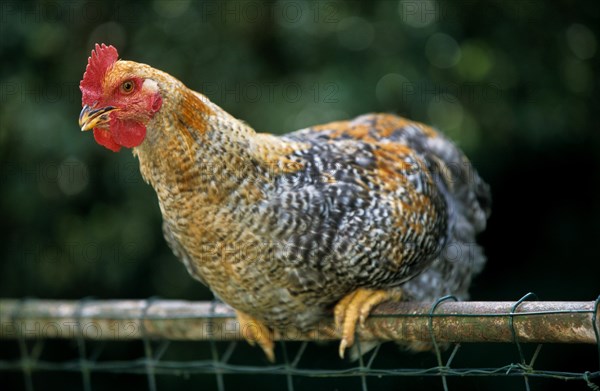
<point>514,83</point>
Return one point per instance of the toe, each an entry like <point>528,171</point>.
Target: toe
<point>339,312</point>
<point>255,332</point>
<point>355,308</point>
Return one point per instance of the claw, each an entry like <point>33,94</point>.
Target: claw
<point>255,332</point>
<point>356,307</point>
<point>343,345</point>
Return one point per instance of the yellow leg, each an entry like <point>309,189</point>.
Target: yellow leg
<point>355,307</point>
<point>254,331</point>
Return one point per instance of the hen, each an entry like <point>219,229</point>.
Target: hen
<point>335,218</point>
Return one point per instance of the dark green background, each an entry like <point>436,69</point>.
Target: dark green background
<point>514,83</point>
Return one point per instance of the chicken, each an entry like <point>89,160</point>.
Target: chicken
<point>328,220</point>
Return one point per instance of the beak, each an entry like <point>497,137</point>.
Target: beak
<point>90,118</point>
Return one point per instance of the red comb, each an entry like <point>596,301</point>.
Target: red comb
<point>102,58</point>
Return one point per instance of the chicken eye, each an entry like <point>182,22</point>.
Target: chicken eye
<point>127,87</point>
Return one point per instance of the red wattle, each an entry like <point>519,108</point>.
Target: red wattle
<point>104,138</point>
<point>127,133</point>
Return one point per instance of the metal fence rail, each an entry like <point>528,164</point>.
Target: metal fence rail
<point>448,321</point>
<point>442,322</point>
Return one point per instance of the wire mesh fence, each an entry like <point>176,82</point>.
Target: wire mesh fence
<point>449,328</point>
